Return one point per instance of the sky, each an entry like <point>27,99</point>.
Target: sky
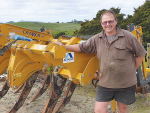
<point>60,10</point>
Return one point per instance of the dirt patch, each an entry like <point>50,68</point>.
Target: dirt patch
<point>82,101</point>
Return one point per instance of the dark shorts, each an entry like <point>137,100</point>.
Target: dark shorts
<point>124,95</point>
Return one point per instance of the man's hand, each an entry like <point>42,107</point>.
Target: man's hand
<point>138,61</point>
<point>59,43</point>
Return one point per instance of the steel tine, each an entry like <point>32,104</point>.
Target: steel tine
<point>24,93</point>
<point>43,88</point>
<point>5,89</point>
<point>67,97</point>
<point>55,92</point>
<point>18,89</point>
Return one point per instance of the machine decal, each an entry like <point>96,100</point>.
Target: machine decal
<point>31,33</point>
<point>69,57</point>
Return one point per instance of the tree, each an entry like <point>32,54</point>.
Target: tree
<point>94,26</point>
<point>141,17</point>
<point>59,34</point>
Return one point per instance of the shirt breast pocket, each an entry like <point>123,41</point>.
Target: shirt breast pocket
<point>119,52</point>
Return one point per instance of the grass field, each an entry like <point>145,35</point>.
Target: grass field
<point>68,28</point>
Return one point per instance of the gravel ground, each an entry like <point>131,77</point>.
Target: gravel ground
<point>82,101</point>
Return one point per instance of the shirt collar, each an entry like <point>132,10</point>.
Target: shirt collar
<point>119,32</point>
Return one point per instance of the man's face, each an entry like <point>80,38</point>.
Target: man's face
<point>109,24</point>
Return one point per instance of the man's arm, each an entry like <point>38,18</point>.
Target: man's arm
<point>138,61</point>
<point>74,48</point>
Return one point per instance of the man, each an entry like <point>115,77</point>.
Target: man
<point>119,54</point>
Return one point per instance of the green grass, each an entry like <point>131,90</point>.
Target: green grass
<point>68,28</point>
<point>141,105</point>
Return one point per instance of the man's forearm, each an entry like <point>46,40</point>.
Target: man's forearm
<point>74,48</point>
<point>138,61</point>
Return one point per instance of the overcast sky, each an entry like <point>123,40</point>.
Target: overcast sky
<point>60,10</point>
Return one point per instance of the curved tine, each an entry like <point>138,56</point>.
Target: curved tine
<point>56,87</point>
<point>67,97</point>
<point>4,90</point>
<point>18,89</point>
<point>24,93</point>
<point>43,88</point>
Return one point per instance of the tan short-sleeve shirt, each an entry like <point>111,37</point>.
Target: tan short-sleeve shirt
<point>117,59</point>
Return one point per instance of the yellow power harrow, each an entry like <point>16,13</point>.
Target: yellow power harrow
<point>31,59</point>
<point>28,59</point>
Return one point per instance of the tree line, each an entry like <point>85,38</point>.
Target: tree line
<point>141,17</point>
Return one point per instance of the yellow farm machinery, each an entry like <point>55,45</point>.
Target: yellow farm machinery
<point>28,54</point>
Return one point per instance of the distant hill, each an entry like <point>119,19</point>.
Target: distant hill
<point>52,26</point>
<point>10,22</point>
<point>69,28</point>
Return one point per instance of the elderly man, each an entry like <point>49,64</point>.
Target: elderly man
<point>119,54</point>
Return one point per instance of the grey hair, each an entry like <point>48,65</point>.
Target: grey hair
<point>108,11</point>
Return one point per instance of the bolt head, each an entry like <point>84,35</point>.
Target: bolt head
<point>15,87</point>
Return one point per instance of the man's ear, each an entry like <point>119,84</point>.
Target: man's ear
<point>116,21</point>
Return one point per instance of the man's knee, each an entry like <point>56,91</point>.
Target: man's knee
<point>100,111</point>
<point>122,108</point>
<point>101,107</point>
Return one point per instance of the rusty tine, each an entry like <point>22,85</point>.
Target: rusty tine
<point>67,97</point>
<point>43,88</point>
<point>4,90</point>
<point>24,93</point>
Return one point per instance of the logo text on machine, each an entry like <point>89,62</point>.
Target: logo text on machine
<point>69,57</point>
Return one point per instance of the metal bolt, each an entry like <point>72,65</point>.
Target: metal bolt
<point>15,87</point>
<point>9,27</point>
<point>83,76</point>
<point>83,84</point>
<point>89,82</point>
<point>89,74</point>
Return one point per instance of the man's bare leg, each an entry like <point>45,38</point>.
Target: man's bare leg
<point>101,107</point>
<point>122,108</point>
